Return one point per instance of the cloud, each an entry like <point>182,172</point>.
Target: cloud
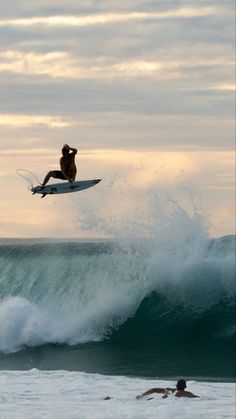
<point>142,79</point>
<point>110,18</point>
<point>114,130</point>
<point>67,66</point>
<point>230,87</point>
<point>21,121</point>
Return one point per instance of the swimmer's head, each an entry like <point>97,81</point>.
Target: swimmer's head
<point>181,385</point>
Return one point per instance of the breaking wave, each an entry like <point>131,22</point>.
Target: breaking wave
<point>146,292</point>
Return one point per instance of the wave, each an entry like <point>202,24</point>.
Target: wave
<point>146,291</point>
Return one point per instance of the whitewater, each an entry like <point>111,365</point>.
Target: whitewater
<point>62,394</point>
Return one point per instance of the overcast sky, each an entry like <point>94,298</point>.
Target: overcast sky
<point>133,85</point>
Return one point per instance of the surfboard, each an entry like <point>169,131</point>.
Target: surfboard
<point>67,187</point>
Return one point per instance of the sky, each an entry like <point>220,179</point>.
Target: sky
<point>144,89</point>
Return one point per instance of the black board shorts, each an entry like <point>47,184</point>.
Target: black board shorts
<point>59,175</point>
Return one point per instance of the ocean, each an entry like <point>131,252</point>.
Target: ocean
<point>102,316</point>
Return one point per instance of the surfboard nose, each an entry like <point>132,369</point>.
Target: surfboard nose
<point>97,180</point>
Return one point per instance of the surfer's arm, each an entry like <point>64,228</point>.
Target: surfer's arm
<point>185,394</point>
<point>152,390</point>
<point>74,150</point>
<point>189,394</point>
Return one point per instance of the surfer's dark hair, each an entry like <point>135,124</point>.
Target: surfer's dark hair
<point>65,149</point>
<point>181,385</point>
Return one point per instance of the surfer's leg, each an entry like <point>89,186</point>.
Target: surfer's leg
<point>55,174</point>
<point>47,177</point>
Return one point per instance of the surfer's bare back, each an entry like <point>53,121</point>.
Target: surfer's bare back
<point>179,391</point>
<point>67,164</point>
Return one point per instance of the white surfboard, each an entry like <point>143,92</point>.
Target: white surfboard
<point>67,187</point>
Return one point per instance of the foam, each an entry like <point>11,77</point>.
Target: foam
<point>61,394</point>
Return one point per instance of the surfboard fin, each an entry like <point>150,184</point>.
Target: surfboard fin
<point>43,196</point>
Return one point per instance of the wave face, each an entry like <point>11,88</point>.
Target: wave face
<point>160,297</point>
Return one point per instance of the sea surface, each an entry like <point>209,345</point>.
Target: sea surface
<point>65,395</point>
<point>132,314</point>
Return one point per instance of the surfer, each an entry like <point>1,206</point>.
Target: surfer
<point>179,391</point>
<point>67,164</point>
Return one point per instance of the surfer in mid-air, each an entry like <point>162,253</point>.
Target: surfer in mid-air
<point>67,164</point>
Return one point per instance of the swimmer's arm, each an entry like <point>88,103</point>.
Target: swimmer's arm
<point>185,394</point>
<point>152,390</point>
<point>189,394</point>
